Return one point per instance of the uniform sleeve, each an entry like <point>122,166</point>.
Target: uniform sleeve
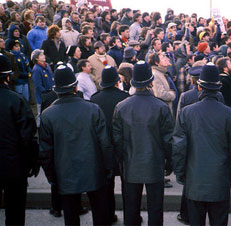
<point>117,135</point>
<point>166,130</point>
<point>179,152</point>
<point>46,149</point>
<point>103,139</point>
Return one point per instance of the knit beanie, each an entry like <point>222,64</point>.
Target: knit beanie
<point>202,46</point>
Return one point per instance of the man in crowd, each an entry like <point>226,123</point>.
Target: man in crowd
<point>37,34</point>
<point>154,48</point>
<point>50,11</point>
<point>141,151</point>
<point>17,157</point>
<point>98,62</point>
<point>224,67</point>
<point>127,18</point>
<point>135,28</point>
<point>85,83</point>
<point>123,32</point>
<point>68,34</point>
<point>201,154</point>
<point>85,153</point>
<point>107,99</point>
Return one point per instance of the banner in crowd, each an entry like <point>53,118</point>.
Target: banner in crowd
<point>217,17</point>
<point>104,4</point>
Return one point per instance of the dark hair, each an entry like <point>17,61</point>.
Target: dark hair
<point>42,18</point>
<point>115,24</point>
<point>136,16</point>
<point>113,40</point>
<point>123,28</point>
<point>222,63</point>
<point>154,59</point>
<point>212,45</point>
<point>85,29</point>
<point>145,14</point>
<point>104,14</point>
<point>82,40</point>
<point>52,30</point>
<point>164,46</point>
<point>82,63</point>
<point>103,36</point>
<point>157,31</point>
<point>128,10</point>
<point>229,32</point>
<point>127,73</point>
<point>228,24</point>
<point>113,10</point>
<point>154,41</point>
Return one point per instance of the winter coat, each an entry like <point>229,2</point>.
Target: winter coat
<point>23,67</point>
<point>144,46</point>
<point>98,66</point>
<point>201,149</point>
<point>49,13</point>
<point>70,37</point>
<point>86,52</point>
<point>80,159</point>
<point>36,36</point>
<point>181,57</point>
<point>106,26</point>
<point>161,86</point>
<point>73,61</point>
<point>23,45</point>
<point>126,20</point>
<point>226,87</point>
<point>76,26</point>
<point>134,31</point>
<point>142,131</point>
<point>54,55</point>
<point>191,97</point>
<point>17,129</point>
<point>43,80</point>
<point>116,54</point>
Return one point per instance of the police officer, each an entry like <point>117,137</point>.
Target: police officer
<point>75,150</point>
<point>142,130</point>
<point>201,152</point>
<point>17,132</point>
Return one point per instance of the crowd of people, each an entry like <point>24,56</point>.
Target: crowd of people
<point>113,93</point>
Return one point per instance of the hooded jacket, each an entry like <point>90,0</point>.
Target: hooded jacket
<point>69,37</point>
<point>23,45</point>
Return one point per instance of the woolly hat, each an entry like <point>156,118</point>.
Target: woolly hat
<point>202,46</point>
<point>12,43</point>
<point>195,71</point>
<point>71,50</point>
<point>209,77</point>
<point>109,77</point>
<point>142,75</point>
<point>203,34</point>
<point>64,79</point>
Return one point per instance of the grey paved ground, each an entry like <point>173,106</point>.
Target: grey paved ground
<point>40,184</point>
<point>43,218</point>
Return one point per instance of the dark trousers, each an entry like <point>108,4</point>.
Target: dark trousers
<point>55,198</point>
<point>183,206</point>
<point>98,202</point>
<point>111,198</point>
<point>217,211</point>
<point>133,196</point>
<point>14,200</point>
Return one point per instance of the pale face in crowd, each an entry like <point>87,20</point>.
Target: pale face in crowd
<point>41,58</point>
<point>2,43</point>
<point>160,35</point>
<point>75,18</point>
<point>164,61</point>
<point>125,34</point>
<point>118,43</point>
<point>16,33</point>
<point>41,24</point>
<point>157,45</point>
<point>77,53</point>
<point>100,50</point>
<point>87,68</point>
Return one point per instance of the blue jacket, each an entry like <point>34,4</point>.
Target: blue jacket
<point>36,37</point>
<point>23,46</point>
<point>116,54</point>
<point>23,66</point>
<point>43,80</point>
